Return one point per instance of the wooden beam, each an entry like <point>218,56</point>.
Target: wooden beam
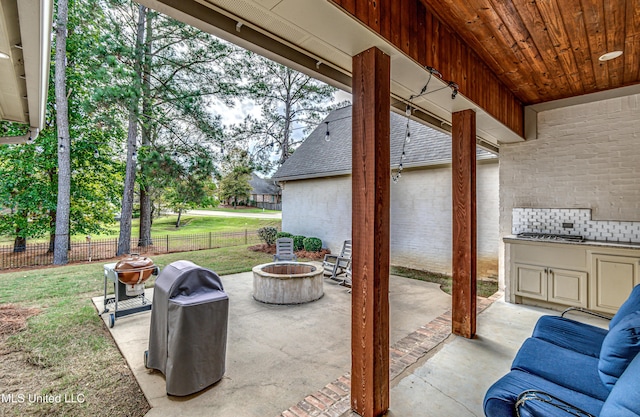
<point>463,154</point>
<point>370,233</point>
<point>415,30</point>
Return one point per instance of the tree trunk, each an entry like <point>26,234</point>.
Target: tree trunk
<point>287,120</point>
<point>61,245</point>
<point>178,220</point>
<point>20,243</point>
<point>144,237</point>
<point>52,236</point>
<point>124,240</point>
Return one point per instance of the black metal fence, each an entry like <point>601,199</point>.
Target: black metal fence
<point>38,254</point>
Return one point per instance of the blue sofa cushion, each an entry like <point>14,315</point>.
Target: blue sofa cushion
<point>570,334</point>
<point>624,400</point>
<point>501,397</point>
<point>561,366</point>
<point>631,305</point>
<point>619,347</point>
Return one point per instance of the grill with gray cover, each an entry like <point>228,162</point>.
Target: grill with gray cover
<point>188,335</point>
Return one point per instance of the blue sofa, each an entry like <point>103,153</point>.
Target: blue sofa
<point>568,368</point>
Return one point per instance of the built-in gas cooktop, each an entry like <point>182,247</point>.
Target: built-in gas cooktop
<point>551,236</point>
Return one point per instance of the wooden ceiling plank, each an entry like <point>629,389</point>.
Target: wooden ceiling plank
<point>436,29</point>
<point>593,11</point>
<point>545,27</point>
<point>531,67</point>
<point>348,5</point>
<point>396,22</point>
<point>575,27</point>
<point>577,33</point>
<point>413,28</point>
<point>632,43</point>
<point>385,19</point>
<point>485,44</point>
<point>405,28</point>
<point>459,13</point>
<point>422,33</point>
<point>362,10</point>
<point>614,22</point>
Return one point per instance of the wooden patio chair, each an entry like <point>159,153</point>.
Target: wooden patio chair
<point>335,265</point>
<point>347,277</point>
<point>284,250</point>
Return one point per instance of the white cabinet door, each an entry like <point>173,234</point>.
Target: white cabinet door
<point>531,281</point>
<point>612,279</point>
<point>567,287</point>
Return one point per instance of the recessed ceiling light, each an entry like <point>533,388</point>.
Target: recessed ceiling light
<point>3,55</point>
<point>610,55</point>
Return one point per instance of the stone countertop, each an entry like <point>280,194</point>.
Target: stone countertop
<point>597,243</point>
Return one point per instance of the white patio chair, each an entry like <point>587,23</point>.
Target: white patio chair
<point>335,265</point>
<point>284,250</point>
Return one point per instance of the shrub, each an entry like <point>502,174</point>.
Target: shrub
<point>312,244</point>
<point>268,234</point>
<point>298,242</point>
<point>283,234</point>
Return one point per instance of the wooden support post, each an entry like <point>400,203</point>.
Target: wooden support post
<point>464,255</point>
<point>370,222</point>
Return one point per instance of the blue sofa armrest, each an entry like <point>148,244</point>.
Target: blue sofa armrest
<point>534,403</point>
<point>561,366</point>
<point>569,334</point>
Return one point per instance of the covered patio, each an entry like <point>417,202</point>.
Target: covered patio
<point>553,87</point>
<point>520,78</point>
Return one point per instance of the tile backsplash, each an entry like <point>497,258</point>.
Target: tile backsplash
<point>536,220</point>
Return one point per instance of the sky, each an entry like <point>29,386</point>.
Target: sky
<point>241,109</point>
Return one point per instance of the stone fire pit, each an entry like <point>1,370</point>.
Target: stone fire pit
<point>287,283</point>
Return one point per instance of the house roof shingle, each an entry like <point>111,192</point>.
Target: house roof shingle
<point>263,186</point>
<point>316,157</point>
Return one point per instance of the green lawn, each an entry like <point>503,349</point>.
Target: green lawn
<point>196,224</point>
<point>165,225</point>
<point>66,348</point>
<point>485,288</point>
<point>241,209</point>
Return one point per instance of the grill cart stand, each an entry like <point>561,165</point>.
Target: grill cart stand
<point>120,304</point>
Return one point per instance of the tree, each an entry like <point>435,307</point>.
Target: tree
<point>124,239</point>
<point>29,172</point>
<point>234,184</point>
<point>146,216</point>
<point>27,191</point>
<point>190,192</point>
<point>182,69</point>
<point>64,142</point>
<point>290,101</point>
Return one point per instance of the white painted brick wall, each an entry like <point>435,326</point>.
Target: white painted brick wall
<point>585,156</point>
<point>420,216</point>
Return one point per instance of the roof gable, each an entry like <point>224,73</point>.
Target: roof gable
<point>263,186</point>
<point>317,157</point>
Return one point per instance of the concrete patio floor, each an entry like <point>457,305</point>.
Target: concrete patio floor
<point>276,355</point>
<point>294,361</point>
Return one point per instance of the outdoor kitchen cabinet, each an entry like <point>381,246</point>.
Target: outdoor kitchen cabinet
<point>548,274</point>
<point>612,279</point>
<point>595,275</point>
<point>548,283</point>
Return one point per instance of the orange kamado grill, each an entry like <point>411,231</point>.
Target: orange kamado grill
<point>128,276</point>
<point>133,271</point>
